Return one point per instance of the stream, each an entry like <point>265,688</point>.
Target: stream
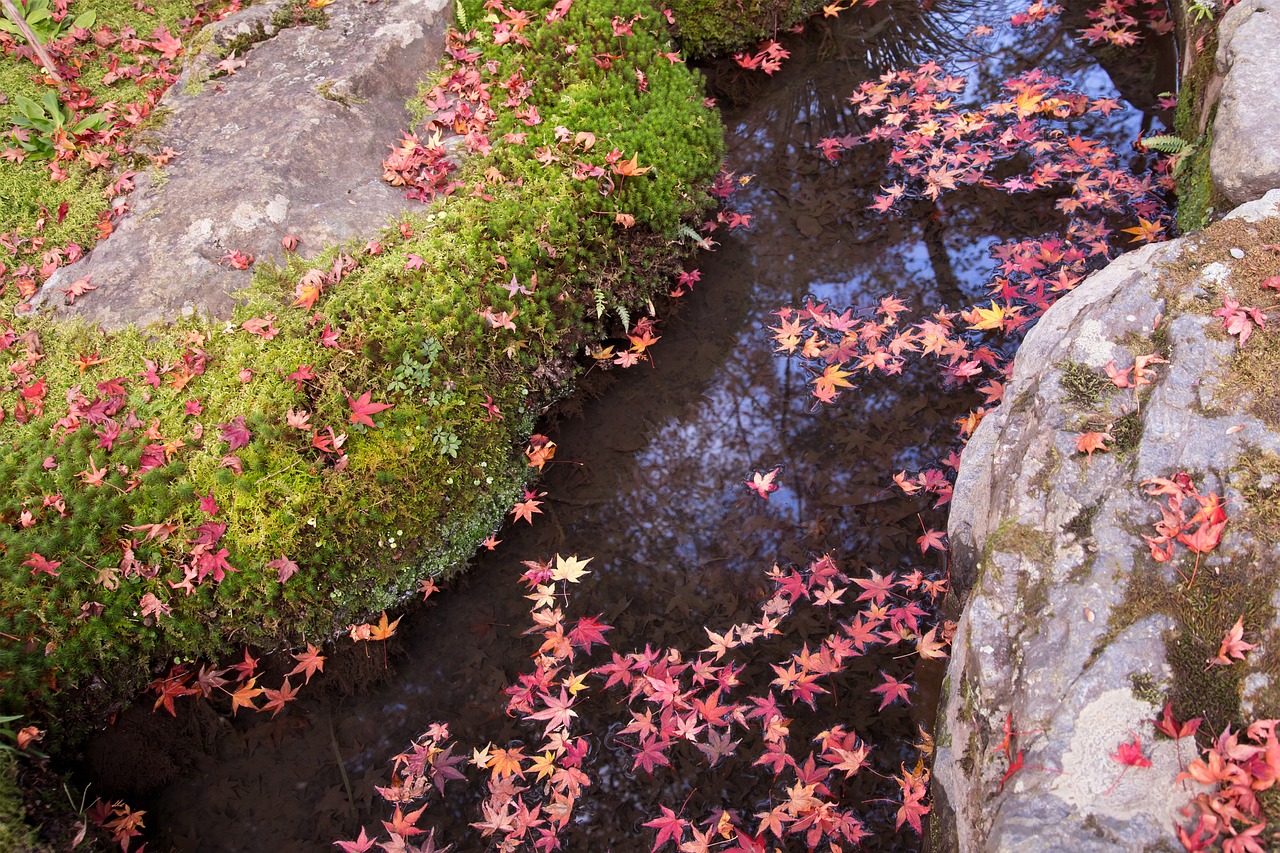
<point>648,478</point>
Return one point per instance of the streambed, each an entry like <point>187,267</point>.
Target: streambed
<point>648,477</point>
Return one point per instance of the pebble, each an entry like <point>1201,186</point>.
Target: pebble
<point>1237,253</point>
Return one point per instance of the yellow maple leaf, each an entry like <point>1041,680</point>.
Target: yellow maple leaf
<point>831,379</point>
<point>570,569</point>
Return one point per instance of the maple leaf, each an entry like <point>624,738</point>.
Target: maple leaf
<point>930,647</point>
<point>404,825</point>
<point>284,567</point>
<point>79,287</point>
<point>832,378</point>
<point>38,564</point>
<point>309,663</point>
<point>1233,646</point>
<point>558,713</point>
<point>382,630</point>
<point>235,433</point>
<point>1146,232</point>
<point>362,408</point>
<point>570,569</point>
<point>1238,320</point>
<point>362,844</point>
<point>528,507</point>
<point>244,695</point>
<point>506,762</point>
<point>1175,730</point>
<point>763,484</point>
<point>932,539</point>
<point>151,606</point>
<point>1091,441</point>
<point>670,829</point>
<point>263,327</point>
<point>540,450</point>
<point>277,699</point>
<point>246,667</point>
<point>652,754</point>
<point>891,690</point>
<point>237,259</point>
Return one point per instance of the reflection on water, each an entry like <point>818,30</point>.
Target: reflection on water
<point>648,479</point>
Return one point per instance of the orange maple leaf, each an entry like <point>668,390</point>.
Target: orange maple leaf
<point>1091,441</point>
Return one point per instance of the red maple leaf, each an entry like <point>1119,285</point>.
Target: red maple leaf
<point>235,433</point>
<point>932,539</point>
<point>362,408</point>
<point>670,829</point>
<point>1233,645</point>
<point>652,753</point>
<point>363,844</point>
<point>528,507</point>
<point>309,663</point>
<point>277,699</point>
<point>558,712</point>
<point>589,631</point>
<point>38,564</point>
<point>1171,727</point>
<point>892,690</point>
<point>284,567</point>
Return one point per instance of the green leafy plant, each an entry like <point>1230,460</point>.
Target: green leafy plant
<point>39,17</point>
<point>1175,146</point>
<point>38,127</point>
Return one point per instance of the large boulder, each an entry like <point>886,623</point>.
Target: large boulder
<point>1073,637</point>
<point>1245,160</point>
<point>291,143</point>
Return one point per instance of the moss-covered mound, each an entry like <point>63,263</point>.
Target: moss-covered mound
<point>712,26</point>
<point>359,424</point>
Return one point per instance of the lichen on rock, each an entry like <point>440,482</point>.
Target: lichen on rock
<point>1073,636</point>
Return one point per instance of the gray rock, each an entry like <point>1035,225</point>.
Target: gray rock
<point>1044,545</point>
<point>292,143</point>
<point>1245,160</point>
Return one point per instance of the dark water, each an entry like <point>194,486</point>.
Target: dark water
<point>648,478</point>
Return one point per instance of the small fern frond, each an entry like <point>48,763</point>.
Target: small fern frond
<point>1166,144</point>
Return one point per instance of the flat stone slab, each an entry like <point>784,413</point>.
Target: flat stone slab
<point>292,143</point>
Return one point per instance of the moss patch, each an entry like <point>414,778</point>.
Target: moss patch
<point>364,511</point>
<point>1022,539</point>
<point>15,834</point>
<point>1126,432</point>
<point>712,26</point>
<point>1083,385</point>
<point>1198,200</point>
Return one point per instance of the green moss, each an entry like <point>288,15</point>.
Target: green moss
<point>1083,385</point>
<point>414,494</point>
<point>298,13</point>
<point>706,27</point>
<point>15,834</point>
<point>1033,594</point>
<point>1043,479</point>
<point>325,90</point>
<point>1198,200</point>
<point>1126,432</point>
<point>242,43</point>
<point>1012,537</point>
<point>1145,689</point>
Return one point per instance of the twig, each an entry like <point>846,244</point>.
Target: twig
<point>342,768</point>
